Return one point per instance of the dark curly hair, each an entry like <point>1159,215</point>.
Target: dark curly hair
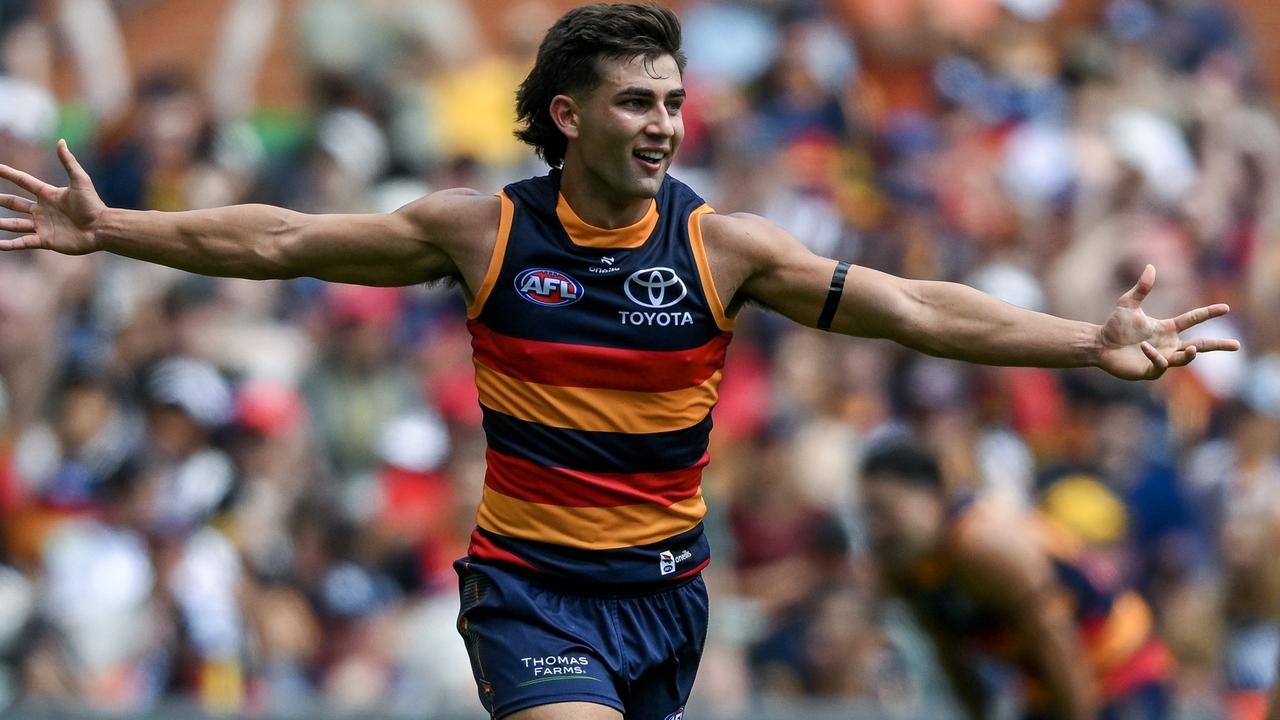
<point>904,462</point>
<point>569,62</point>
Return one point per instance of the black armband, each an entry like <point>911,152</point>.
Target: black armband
<point>833,296</point>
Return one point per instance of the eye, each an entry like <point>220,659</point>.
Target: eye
<point>633,104</point>
<point>674,107</point>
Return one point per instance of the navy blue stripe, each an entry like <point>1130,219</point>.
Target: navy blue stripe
<point>1091,600</point>
<point>596,321</point>
<point>618,570</point>
<point>604,452</point>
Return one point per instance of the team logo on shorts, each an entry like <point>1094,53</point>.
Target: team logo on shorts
<point>677,715</point>
<point>549,288</point>
<point>668,560</point>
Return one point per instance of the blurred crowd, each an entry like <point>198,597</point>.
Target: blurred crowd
<point>248,494</point>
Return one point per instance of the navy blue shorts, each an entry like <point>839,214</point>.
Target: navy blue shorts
<point>532,643</point>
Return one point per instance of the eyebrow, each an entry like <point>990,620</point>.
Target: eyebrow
<point>647,93</point>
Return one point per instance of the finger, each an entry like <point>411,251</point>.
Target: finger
<point>18,225</point>
<point>1212,344</point>
<point>26,242</point>
<point>1141,289</point>
<point>17,204</point>
<point>1159,363</point>
<point>1182,357</point>
<point>1192,318</point>
<point>74,171</point>
<point>23,180</point>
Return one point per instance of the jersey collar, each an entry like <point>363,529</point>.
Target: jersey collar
<point>584,234</point>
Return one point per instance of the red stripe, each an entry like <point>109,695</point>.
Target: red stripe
<point>1152,663</point>
<point>701,566</point>
<point>535,483</point>
<point>570,365</point>
<point>484,549</point>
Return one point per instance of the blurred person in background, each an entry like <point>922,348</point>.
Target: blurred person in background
<point>611,131</point>
<point>139,591</point>
<point>356,387</point>
<point>1119,438</point>
<point>791,561</point>
<point>188,482</point>
<point>273,448</point>
<point>28,119</point>
<point>1236,482</point>
<point>991,583</point>
<point>17,593</point>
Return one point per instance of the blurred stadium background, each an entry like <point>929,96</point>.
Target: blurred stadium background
<point>232,497</point>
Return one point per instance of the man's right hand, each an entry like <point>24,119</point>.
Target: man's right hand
<point>60,218</point>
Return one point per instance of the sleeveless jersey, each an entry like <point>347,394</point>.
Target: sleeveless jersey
<point>1115,625</point>
<point>598,355</point>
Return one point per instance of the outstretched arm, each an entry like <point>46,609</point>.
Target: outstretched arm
<point>759,261</point>
<point>420,242</point>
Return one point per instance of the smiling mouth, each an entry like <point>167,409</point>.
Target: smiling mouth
<point>651,160</point>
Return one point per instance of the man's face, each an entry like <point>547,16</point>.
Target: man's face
<point>631,126</point>
<point>904,521</point>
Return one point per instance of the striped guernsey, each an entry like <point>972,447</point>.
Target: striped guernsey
<point>598,355</point>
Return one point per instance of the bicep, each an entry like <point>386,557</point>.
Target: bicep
<point>784,275</point>
<point>362,249</point>
<point>419,242</point>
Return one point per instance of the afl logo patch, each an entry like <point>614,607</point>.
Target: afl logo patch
<point>550,288</point>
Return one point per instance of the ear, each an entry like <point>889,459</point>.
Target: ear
<point>565,114</point>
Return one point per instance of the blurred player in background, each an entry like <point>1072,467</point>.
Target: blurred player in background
<point>991,583</point>
<point>601,298</point>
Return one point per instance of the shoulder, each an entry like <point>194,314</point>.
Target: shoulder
<point>736,229</point>
<point>457,212</point>
<point>460,205</point>
<point>747,241</point>
<point>752,238</point>
<point>996,546</point>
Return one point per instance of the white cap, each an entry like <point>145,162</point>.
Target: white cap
<point>1038,163</point>
<point>194,387</point>
<point>1009,283</point>
<point>27,111</point>
<point>17,601</point>
<point>1033,10</point>
<point>355,143</point>
<point>728,43</point>
<point>1261,390</point>
<point>418,442</point>
<point>1156,147</point>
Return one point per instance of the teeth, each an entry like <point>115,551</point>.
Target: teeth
<point>655,157</point>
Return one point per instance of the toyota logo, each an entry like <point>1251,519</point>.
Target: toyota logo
<point>656,287</point>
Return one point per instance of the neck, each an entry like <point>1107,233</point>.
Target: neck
<point>598,208</point>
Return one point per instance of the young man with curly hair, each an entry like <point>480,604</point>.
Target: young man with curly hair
<point>601,298</point>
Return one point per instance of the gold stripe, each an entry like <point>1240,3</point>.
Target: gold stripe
<point>704,268</point>
<point>495,260</point>
<point>588,528</point>
<point>594,409</point>
<point>584,234</point>
<point>1126,630</point>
